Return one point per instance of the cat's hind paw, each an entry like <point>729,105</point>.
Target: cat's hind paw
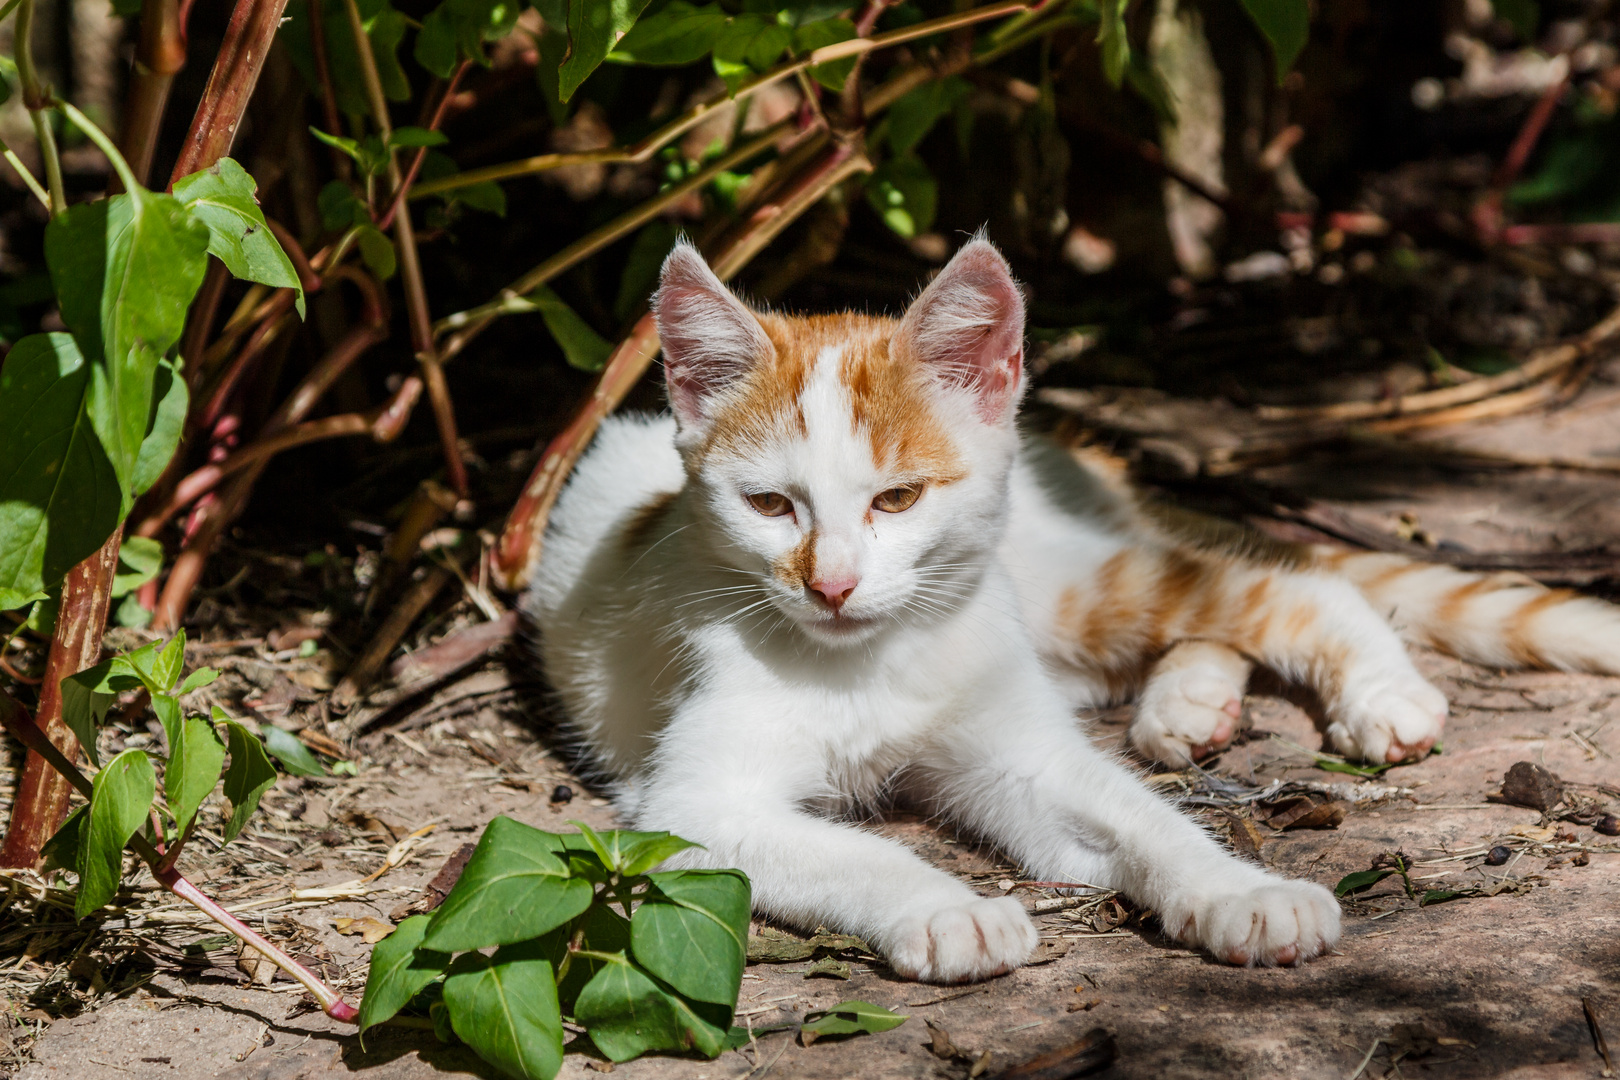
<point>964,942</point>
<point>1400,723</point>
<point>1192,705</point>
<point>1281,922</point>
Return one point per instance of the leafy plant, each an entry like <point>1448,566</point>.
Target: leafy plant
<point>582,928</point>
<point>1390,864</point>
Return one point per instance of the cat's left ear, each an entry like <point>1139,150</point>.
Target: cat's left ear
<point>710,339</point>
<point>968,328</point>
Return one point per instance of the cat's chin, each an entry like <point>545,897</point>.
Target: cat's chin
<point>841,629</point>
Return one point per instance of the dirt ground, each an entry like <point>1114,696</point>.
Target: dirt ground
<point>1478,986</point>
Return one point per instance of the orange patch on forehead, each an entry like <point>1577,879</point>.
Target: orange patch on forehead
<point>889,397</point>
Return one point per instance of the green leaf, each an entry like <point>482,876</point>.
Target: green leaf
<point>249,775</point>
<point>914,114</point>
<point>459,28</point>
<point>505,1007</point>
<point>168,421</point>
<point>377,251</point>
<point>84,709</point>
<point>139,560</point>
<point>417,137</point>
<point>1331,764</point>
<point>290,750</point>
<point>399,971</point>
<point>193,770</point>
<point>1112,39</point>
<point>1361,879</point>
<point>606,931</point>
<point>1285,23</point>
<point>486,195</point>
<point>170,662</point>
<point>629,853</point>
<point>385,29</point>
<point>340,207</point>
<point>130,613</point>
<point>647,254</point>
<point>904,194</point>
<point>594,27</point>
<point>1438,896</point>
<point>627,1013</point>
<point>59,494</point>
<point>169,715</point>
<point>61,851</point>
<point>692,932</point>
<point>748,45</point>
<point>222,197</point>
<point>121,797</point>
<point>848,1018</point>
<point>582,346</point>
<point>513,888</point>
<point>197,680</point>
<point>679,33</point>
<point>816,35</point>
<point>125,271</point>
<point>134,668</point>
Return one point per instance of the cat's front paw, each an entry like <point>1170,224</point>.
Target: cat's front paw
<point>1190,711</point>
<point>964,942</point>
<point>1277,922</point>
<point>1398,723</point>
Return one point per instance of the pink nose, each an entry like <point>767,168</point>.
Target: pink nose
<point>836,591</point>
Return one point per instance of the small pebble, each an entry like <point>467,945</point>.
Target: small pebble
<point>1498,855</point>
<point>562,793</point>
<point>1608,825</point>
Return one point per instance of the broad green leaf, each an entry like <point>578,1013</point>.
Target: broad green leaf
<point>505,1007</point>
<point>594,27</point>
<point>514,888</point>
<point>630,853</point>
<point>904,193</point>
<point>193,770</point>
<point>1285,23</point>
<point>42,616</point>
<point>748,45</point>
<point>553,51</point>
<point>377,251</point>
<point>647,253</point>
<point>290,750</point>
<point>59,493</point>
<point>1111,38</point>
<point>134,668</point>
<point>582,346</point>
<point>249,775</point>
<point>1438,896</point>
<point>627,1013</point>
<point>606,931</point>
<point>61,851</point>
<point>120,799</point>
<point>813,36</point>
<point>170,662</point>
<point>173,721</point>
<point>692,932</point>
<point>125,271</point>
<point>678,33</point>
<point>459,28</point>
<point>197,680</point>
<point>139,560</point>
<point>399,971</point>
<point>439,1015</point>
<point>83,709</point>
<point>1361,879</point>
<point>914,114</point>
<point>130,613</point>
<point>222,197</point>
<point>486,195</point>
<point>848,1018</point>
<point>168,422</point>
<point>414,137</point>
<point>340,207</point>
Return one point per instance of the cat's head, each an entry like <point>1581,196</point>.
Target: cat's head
<point>855,467</point>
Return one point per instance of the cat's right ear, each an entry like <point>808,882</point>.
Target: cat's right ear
<point>709,337</point>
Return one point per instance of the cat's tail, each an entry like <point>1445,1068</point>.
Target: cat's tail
<point>1500,619</point>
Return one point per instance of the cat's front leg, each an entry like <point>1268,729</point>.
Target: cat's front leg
<point>1021,773</point>
<point>1191,704</point>
<point>744,800</point>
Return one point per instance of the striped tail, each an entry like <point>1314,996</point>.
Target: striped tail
<point>1499,620</point>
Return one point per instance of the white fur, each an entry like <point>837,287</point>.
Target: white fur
<point>737,713</point>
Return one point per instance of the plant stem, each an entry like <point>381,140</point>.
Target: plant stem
<point>27,177</point>
<point>104,144</point>
<point>241,57</point>
<point>160,53</point>
<point>36,100</point>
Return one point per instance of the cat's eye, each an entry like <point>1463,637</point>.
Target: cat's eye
<point>897,499</point>
<point>771,503</point>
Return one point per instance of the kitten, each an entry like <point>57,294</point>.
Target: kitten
<point>838,573</point>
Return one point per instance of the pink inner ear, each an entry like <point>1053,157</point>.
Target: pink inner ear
<point>709,338</point>
<point>968,327</point>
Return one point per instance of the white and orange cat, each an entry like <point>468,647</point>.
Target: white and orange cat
<point>839,573</point>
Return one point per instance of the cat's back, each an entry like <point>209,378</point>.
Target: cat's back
<point>623,484</point>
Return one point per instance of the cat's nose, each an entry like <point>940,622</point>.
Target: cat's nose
<point>835,591</point>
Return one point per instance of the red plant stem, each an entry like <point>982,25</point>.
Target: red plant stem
<point>42,796</point>
<point>200,323</point>
<point>279,319</point>
<point>421,152</point>
<point>160,53</point>
<point>1487,212</point>
<point>308,279</point>
<point>1587,232</point>
<point>16,720</point>
<point>241,57</point>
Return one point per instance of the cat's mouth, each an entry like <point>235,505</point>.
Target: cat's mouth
<point>841,625</point>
